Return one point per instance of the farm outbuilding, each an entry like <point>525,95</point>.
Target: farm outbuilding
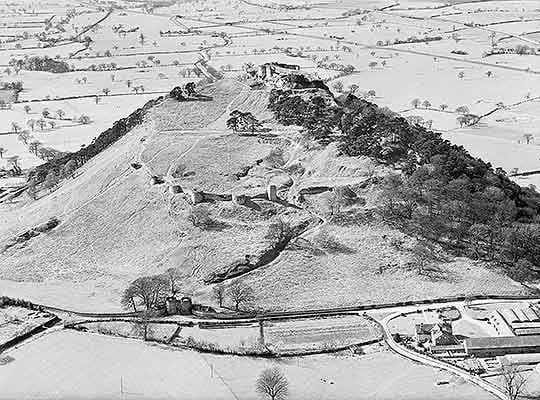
<point>171,305</point>
<point>186,306</point>
<point>516,321</point>
<point>501,345</point>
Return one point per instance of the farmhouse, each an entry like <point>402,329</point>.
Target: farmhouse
<point>422,332</point>
<point>438,334</point>
<point>442,335</point>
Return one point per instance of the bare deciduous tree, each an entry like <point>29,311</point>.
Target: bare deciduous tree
<point>142,325</point>
<point>240,294</point>
<point>219,294</point>
<point>174,276</point>
<point>272,384</point>
<point>513,381</point>
<point>148,291</point>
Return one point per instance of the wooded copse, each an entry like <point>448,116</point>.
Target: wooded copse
<point>438,191</point>
<point>37,63</point>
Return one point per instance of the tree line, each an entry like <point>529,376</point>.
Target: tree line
<point>148,293</point>
<point>57,165</point>
<point>37,63</point>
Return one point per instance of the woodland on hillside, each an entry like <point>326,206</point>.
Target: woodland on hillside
<point>439,192</point>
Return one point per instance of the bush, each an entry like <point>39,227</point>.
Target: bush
<point>276,158</point>
<point>328,242</point>
<point>200,216</point>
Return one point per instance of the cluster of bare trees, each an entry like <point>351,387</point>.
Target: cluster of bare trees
<point>239,294</point>
<point>36,147</point>
<point>14,167</point>
<point>514,382</point>
<point>355,90</point>
<point>415,103</point>
<point>418,120</point>
<point>149,292</point>
<point>138,89</point>
<point>103,67</point>
<point>188,72</point>
<point>151,61</point>
<point>464,119</point>
<point>467,119</point>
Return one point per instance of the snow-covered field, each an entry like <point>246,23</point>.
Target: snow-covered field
<point>451,71</point>
<point>258,32</point>
<point>15,321</point>
<point>141,58</point>
<point>74,365</point>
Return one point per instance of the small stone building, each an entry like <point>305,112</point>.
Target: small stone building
<point>184,306</point>
<point>171,305</point>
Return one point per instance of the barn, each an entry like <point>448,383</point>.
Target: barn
<point>501,345</point>
<point>516,321</point>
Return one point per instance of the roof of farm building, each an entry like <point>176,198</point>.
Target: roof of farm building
<point>503,342</point>
<point>423,329</point>
<point>520,315</point>
<point>527,331</point>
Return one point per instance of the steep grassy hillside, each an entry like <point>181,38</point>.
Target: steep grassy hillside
<point>117,222</point>
<point>115,225</point>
